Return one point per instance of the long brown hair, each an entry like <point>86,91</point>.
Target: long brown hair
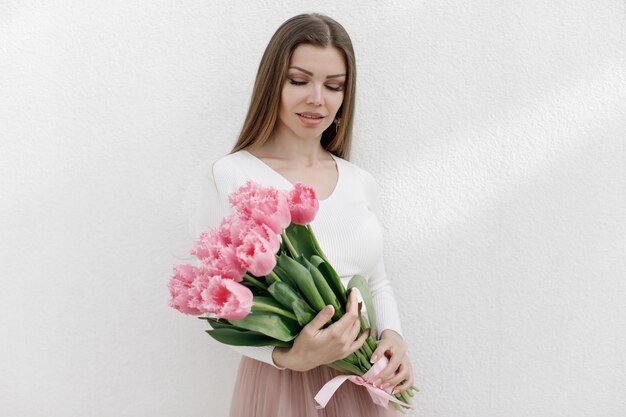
<point>314,29</point>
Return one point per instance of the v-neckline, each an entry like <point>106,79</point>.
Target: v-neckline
<point>284,179</point>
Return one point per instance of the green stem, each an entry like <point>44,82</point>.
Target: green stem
<point>249,278</point>
<point>346,366</point>
<point>365,364</point>
<point>274,276</point>
<point>352,359</point>
<point>371,343</point>
<point>290,247</point>
<point>397,406</point>
<point>404,397</point>
<point>281,312</point>
<point>366,349</point>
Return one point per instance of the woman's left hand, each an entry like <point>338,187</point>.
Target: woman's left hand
<point>399,369</point>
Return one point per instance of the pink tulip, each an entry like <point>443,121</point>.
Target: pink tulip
<point>224,298</point>
<point>203,276</point>
<point>235,227</point>
<point>256,254</point>
<point>266,234</point>
<point>240,197</point>
<point>208,245</point>
<point>217,254</point>
<point>226,264</point>
<point>303,204</point>
<point>179,286</point>
<point>264,205</point>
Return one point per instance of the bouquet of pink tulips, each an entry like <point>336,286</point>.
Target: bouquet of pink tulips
<point>262,277</point>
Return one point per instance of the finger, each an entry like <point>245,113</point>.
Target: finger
<point>356,345</point>
<point>350,317</point>
<point>320,319</point>
<point>398,377</point>
<point>389,340</point>
<point>390,369</point>
<point>405,385</point>
<point>408,380</point>
<point>354,331</point>
<point>388,348</point>
<point>380,350</point>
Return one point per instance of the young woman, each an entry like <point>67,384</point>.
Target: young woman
<point>299,129</point>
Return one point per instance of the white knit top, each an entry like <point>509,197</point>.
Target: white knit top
<point>346,226</point>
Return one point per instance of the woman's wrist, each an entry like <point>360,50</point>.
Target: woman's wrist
<point>278,357</point>
<point>284,358</point>
<point>390,333</point>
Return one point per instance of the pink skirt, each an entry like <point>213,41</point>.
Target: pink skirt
<point>264,391</point>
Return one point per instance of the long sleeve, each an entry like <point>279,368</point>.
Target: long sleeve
<point>387,315</point>
<point>212,205</point>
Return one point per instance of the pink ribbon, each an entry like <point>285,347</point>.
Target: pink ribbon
<point>379,396</point>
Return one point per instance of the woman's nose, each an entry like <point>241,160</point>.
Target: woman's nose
<point>316,96</point>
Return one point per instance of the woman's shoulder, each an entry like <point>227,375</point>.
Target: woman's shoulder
<point>361,182</point>
<point>227,162</point>
<point>226,171</point>
<point>354,171</point>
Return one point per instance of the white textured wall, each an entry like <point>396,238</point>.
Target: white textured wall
<point>496,130</point>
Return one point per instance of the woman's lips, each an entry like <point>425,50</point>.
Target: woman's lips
<point>310,119</point>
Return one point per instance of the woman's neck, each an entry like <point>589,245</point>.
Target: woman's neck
<point>303,152</point>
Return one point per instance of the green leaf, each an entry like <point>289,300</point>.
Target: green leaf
<point>301,276</point>
<point>275,326</point>
<point>283,275</point>
<point>322,286</point>
<point>288,297</point>
<point>270,305</point>
<point>331,277</point>
<point>284,294</point>
<point>316,244</point>
<point>303,240</point>
<point>357,281</point>
<point>217,324</point>
<point>304,313</point>
<point>236,337</point>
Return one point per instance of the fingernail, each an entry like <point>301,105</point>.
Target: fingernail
<point>373,359</point>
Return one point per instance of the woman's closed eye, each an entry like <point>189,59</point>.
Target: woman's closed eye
<point>296,82</point>
<point>335,87</point>
<point>332,87</point>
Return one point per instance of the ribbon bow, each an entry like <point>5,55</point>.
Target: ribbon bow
<point>379,397</point>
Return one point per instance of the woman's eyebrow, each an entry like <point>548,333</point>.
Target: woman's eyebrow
<point>311,74</point>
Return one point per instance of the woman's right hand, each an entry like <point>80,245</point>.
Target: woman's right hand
<point>316,346</point>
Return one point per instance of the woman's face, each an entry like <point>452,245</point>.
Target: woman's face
<point>313,91</point>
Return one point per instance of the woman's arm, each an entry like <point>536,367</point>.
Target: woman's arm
<point>388,326</point>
